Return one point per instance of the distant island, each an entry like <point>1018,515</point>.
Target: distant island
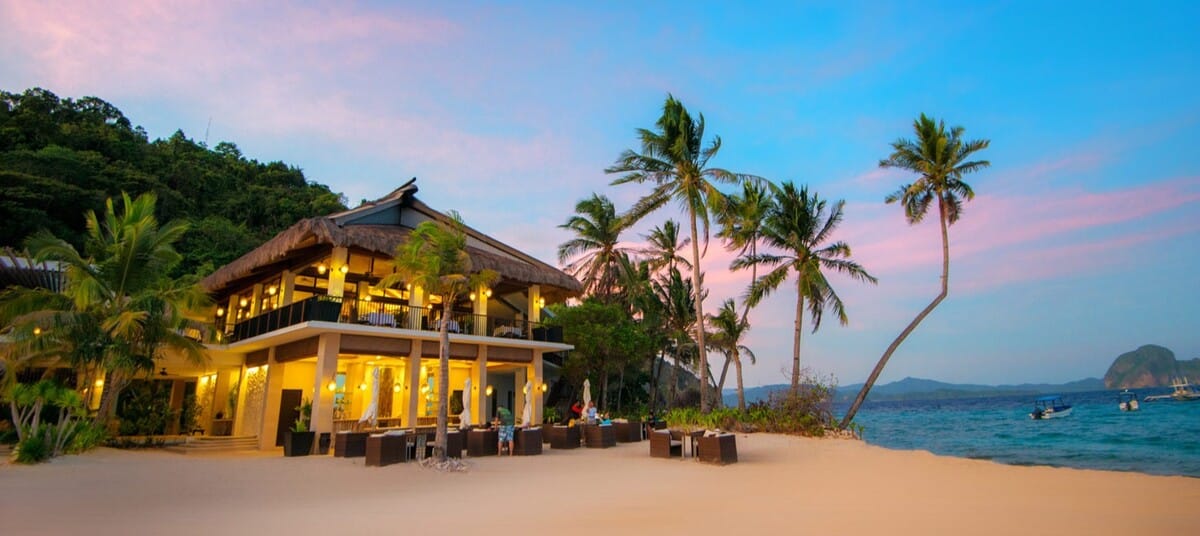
<point>1149,366</point>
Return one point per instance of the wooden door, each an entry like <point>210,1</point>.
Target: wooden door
<point>289,411</point>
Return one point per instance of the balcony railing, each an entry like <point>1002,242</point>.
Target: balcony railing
<point>390,315</point>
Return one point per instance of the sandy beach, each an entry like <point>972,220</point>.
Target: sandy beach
<point>782,485</point>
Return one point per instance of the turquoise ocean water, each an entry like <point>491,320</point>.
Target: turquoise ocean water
<point>1163,438</point>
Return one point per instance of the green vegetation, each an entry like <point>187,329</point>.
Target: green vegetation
<point>1149,366</point>
<point>804,411</point>
<point>49,421</point>
<point>61,157</point>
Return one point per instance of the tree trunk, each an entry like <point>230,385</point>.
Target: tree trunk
<point>866,388</point>
<point>741,390</point>
<point>604,386</point>
<point>620,389</point>
<point>701,349</point>
<point>439,441</point>
<point>674,382</point>
<point>655,370</point>
<point>724,372</point>
<point>113,385</point>
<point>796,339</point>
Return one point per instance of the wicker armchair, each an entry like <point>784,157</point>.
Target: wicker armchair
<point>663,446</point>
<point>719,449</point>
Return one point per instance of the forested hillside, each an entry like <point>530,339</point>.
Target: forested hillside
<point>60,157</point>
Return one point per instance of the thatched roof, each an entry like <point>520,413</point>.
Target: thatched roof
<point>336,231</point>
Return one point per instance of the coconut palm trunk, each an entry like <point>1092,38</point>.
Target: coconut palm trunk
<point>439,441</point>
<point>866,388</point>
<point>741,389</point>
<point>701,350</point>
<point>796,338</point>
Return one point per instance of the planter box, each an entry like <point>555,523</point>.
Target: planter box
<point>297,443</point>
<point>628,432</point>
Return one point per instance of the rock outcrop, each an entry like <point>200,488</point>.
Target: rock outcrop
<point>1148,366</point>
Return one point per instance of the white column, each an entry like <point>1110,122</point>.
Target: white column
<point>239,413</point>
<point>288,286</point>
<point>519,378</point>
<point>479,309</point>
<point>337,279</point>
<point>413,367</point>
<point>268,425</point>
<point>416,309</point>
<point>479,375</point>
<point>534,305</point>
<point>326,371</point>
<point>256,300</point>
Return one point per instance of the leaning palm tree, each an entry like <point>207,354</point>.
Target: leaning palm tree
<point>940,159</point>
<point>728,331</point>
<point>435,259</point>
<point>119,311</point>
<point>594,247</point>
<point>801,226</point>
<point>662,251</point>
<point>674,159</point>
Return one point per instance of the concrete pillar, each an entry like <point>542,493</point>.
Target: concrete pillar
<point>535,303</point>
<point>256,300</point>
<point>177,406</point>
<point>269,424</point>
<point>413,383</point>
<point>539,396</point>
<point>326,371</point>
<point>239,413</point>
<point>337,278</point>
<point>519,377</point>
<point>479,376</point>
<point>416,308</point>
<point>479,309</point>
<point>287,287</point>
<point>231,312</point>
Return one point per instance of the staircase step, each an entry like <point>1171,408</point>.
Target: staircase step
<point>200,444</point>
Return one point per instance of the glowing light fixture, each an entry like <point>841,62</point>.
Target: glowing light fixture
<point>541,303</point>
<point>321,268</point>
<point>367,298</point>
<point>472,296</point>
<point>220,312</point>
<point>408,286</point>
<point>37,331</point>
<point>332,385</point>
<point>545,387</point>
<point>243,302</point>
<point>362,386</point>
<point>272,290</point>
<point>345,269</point>
<point>100,382</point>
<point>396,388</point>
<point>487,292</point>
<point>489,391</point>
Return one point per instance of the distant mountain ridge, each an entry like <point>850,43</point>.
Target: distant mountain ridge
<point>1149,366</point>
<point>925,389</point>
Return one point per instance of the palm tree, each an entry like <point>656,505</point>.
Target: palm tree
<point>741,220</point>
<point>119,311</point>
<point>664,245</point>
<point>675,161</point>
<point>728,331</point>
<point>597,232</point>
<point>678,318</point>
<point>435,258</point>
<point>802,226</point>
<point>940,159</point>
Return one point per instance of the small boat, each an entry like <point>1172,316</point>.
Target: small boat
<point>1049,407</point>
<point>1127,400</point>
<point>1184,392</point>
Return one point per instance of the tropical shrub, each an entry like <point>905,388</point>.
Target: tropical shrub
<point>88,435</point>
<point>145,409</point>
<point>805,412</point>
<point>32,449</point>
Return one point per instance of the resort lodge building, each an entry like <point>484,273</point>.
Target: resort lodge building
<point>302,319</point>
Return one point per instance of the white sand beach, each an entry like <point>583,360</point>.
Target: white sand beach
<point>782,485</point>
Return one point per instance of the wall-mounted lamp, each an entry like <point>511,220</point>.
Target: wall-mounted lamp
<point>362,386</point>
<point>220,312</point>
<point>367,298</point>
<point>472,296</point>
<point>541,303</point>
<point>321,268</point>
<point>332,386</point>
<point>272,290</point>
<point>243,302</point>
<point>489,391</point>
<point>487,292</point>
<point>545,387</point>
<point>100,382</point>
<point>396,388</point>
<point>408,286</point>
<point>345,269</point>
<point>37,332</point>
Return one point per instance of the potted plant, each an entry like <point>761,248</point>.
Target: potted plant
<point>298,441</point>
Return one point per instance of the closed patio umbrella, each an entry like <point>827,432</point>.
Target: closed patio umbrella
<point>372,410</point>
<point>464,421</point>
<point>527,414</point>
<point>587,394</point>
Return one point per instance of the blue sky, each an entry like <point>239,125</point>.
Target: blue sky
<point>1082,243</point>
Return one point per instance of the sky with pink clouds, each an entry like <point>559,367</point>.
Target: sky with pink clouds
<point>1083,241</point>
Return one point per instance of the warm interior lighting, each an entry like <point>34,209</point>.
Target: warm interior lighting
<point>472,296</point>
<point>396,388</point>
<point>321,268</point>
<point>487,292</point>
<point>272,290</point>
<point>332,386</point>
<point>362,386</point>
<point>100,383</point>
<point>345,269</point>
<point>408,286</point>
<point>220,312</point>
<point>243,302</point>
<point>251,370</point>
<point>525,389</point>
<point>367,298</point>
<point>489,391</point>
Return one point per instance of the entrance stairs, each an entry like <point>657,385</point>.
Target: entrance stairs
<point>207,444</point>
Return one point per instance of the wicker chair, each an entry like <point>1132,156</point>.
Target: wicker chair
<point>527,441</point>
<point>563,437</point>
<point>350,444</point>
<point>663,446</point>
<point>719,449</point>
<point>599,436</point>
<point>628,432</point>
<point>386,449</point>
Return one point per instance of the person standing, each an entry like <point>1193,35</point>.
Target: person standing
<point>506,430</point>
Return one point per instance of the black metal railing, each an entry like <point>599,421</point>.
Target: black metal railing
<point>390,315</point>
